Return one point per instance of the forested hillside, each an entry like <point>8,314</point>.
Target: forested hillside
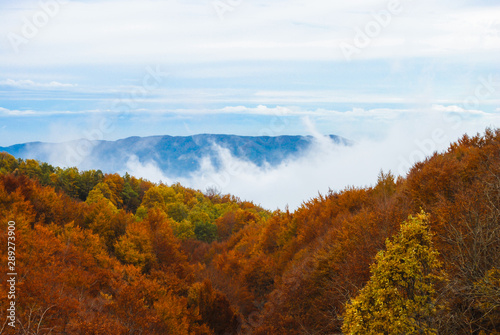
<point>108,254</point>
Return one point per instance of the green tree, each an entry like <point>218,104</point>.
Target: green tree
<point>67,181</point>
<point>177,211</point>
<point>99,192</point>
<point>8,163</point>
<point>87,181</point>
<point>130,197</point>
<point>184,230</point>
<point>399,298</point>
<point>206,232</point>
<point>204,229</point>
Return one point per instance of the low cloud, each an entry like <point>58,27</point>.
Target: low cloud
<point>327,165</point>
<point>149,169</point>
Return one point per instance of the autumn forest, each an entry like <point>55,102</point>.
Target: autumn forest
<point>109,254</point>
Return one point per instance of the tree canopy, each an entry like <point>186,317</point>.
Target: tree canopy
<point>101,253</point>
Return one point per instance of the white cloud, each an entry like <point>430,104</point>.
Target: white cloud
<point>29,112</point>
<point>9,112</point>
<point>177,30</point>
<point>383,114</point>
<point>263,110</point>
<point>357,115</point>
<point>149,169</point>
<point>409,137</point>
<point>458,109</point>
<point>31,84</point>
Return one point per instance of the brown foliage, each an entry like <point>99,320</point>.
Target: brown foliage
<point>96,268</point>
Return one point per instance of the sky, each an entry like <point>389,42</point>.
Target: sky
<point>388,75</point>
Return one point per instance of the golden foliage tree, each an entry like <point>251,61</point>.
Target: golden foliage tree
<point>399,298</point>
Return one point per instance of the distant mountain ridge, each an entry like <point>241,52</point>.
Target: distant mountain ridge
<point>176,156</point>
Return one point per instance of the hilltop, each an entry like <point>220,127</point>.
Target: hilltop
<point>176,156</point>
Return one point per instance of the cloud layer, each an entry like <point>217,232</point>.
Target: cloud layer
<point>302,30</point>
<point>403,142</point>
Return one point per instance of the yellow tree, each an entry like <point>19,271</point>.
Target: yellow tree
<point>399,298</point>
<point>136,247</point>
